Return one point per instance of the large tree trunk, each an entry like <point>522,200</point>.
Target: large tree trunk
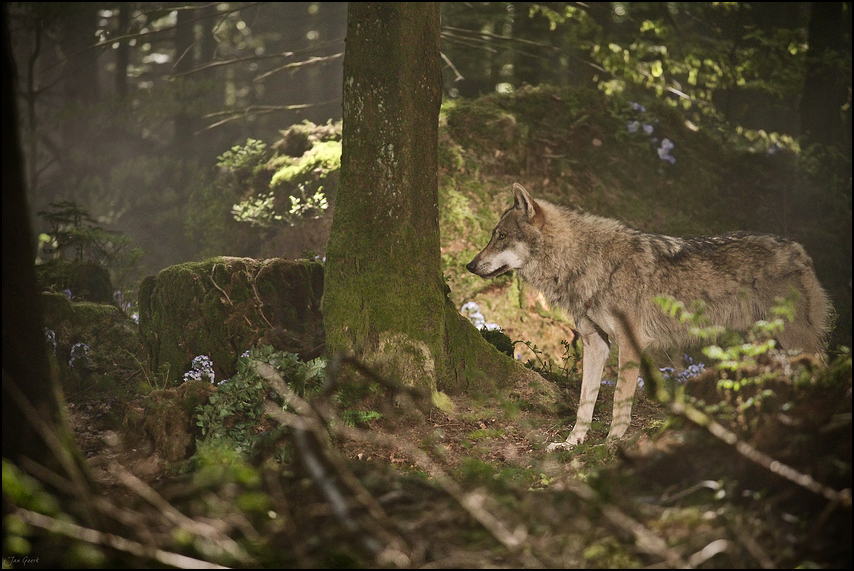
<point>35,435</point>
<point>384,296</point>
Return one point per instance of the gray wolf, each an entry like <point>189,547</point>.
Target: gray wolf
<point>606,275</point>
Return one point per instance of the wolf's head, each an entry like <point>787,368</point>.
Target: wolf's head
<point>517,235</point>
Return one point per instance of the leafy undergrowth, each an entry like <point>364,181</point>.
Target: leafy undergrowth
<point>760,477</point>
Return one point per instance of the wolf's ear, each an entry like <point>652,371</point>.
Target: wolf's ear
<point>524,202</point>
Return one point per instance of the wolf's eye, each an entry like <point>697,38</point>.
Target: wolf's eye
<point>502,235</point>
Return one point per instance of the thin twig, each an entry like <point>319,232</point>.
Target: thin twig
<point>174,516</point>
<point>96,537</point>
<point>310,436</point>
<point>646,540</point>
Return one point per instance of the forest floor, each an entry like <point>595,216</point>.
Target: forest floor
<point>475,487</point>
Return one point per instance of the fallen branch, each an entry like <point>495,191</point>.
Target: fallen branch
<point>96,537</point>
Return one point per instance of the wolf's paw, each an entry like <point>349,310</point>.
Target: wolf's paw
<point>558,446</point>
<point>571,442</point>
<point>617,432</point>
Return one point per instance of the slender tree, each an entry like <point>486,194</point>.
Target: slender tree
<point>384,295</point>
<point>120,74</point>
<point>532,62</point>
<point>827,85</point>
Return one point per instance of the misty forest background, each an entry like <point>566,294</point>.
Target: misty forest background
<point>134,113</point>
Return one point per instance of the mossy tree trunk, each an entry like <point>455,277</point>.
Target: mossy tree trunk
<point>384,295</point>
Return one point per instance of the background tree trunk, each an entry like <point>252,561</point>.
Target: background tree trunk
<point>35,435</point>
<point>826,85</point>
<point>384,295</point>
<point>529,60</point>
<point>120,75</point>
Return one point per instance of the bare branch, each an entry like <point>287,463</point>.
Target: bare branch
<point>258,110</point>
<point>93,536</point>
<point>309,61</point>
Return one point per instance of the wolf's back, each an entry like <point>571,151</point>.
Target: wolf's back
<point>589,264</point>
<point>742,275</point>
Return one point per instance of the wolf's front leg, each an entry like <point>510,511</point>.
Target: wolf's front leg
<point>596,350</point>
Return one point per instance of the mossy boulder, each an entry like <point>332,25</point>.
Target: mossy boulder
<point>96,345</point>
<point>87,281</point>
<point>223,306</point>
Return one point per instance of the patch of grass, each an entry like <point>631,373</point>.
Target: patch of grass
<point>485,433</point>
<point>608,553</point>
<point>512,408</point>
<point>477,472</point>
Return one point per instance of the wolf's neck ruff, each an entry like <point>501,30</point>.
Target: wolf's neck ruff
<point>606,275</point>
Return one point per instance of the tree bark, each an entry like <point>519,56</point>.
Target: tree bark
<point>384,295</point>
<point>35,435</point>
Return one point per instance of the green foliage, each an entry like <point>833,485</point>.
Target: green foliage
<point>25,491</point>
<point>71,228</point>
<point>693,317</point>
<point>687,58</point>
<point>257,211</point>
<point>829,166</point>
<point>477,472</point>
<point>22,545</point>
<point>319,161</point>
<point>745,356</point>
<point>260,210</point>
<point>565,373</point>
<point>218,464</point>
<point>154,380</point>
<point>75,234</point>
<point>750,370</point>
<point>235,412</point>
<point>260,188</point>
<point>244,161</point>
<point>354,400</point>
<point>486,433</point>
<point>353,417</point>
<point>734,355</point>
<point>304,205</point>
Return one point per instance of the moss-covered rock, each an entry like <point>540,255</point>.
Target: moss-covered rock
<point>223,306</point>
<point>95,345</point>
<point>86,281</point>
